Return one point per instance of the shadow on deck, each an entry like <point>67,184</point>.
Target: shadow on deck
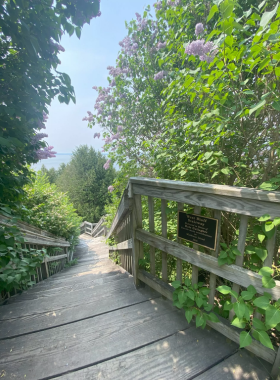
<point>89,322</point>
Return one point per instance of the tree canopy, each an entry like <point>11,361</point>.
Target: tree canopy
<point>195,94</point>
<point>86,182</point>
<point>30,34</point>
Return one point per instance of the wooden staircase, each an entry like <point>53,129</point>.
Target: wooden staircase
<point>90,322</point>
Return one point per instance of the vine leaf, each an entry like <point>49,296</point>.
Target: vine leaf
<point>264,339</point>
<point>272,316</point>
<point>262,302</point>
<point>239,309</point>
<point>245,339</point>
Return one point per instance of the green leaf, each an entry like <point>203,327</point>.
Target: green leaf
<point>226,171</point>
<point>261,253</point>
<point>187,281</point>
<point>78,32</point>
<point>267,16</point>
<point>245,339</point>
<point>190,294</point>
<point>182,296</point>
<point>205,291</point>
<point>257,106</point>
<point>189,315</point>
<point>265,271</point>
<point>265,340</point>
<point>199,301</point>
<point>268,282</point>
<point>276,105</point>
<point>228,305</point>
<point>226,8</point>
<point>264,218</point>
<point>213,317</point>
<point>213,10</point>
<point>262,302</point>
<point>224,289</point>
<point>199,320</point>
<point>239,309</point>
<point>176,284</point>
<point>259,325</point>
<point>239,323</point>
<point>261,238</point>
<point>269,229</point>
<point>272,316</point>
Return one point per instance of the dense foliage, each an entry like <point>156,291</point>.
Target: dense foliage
<point>30,34</point>
<point>44,206</point>
<point>86,182</point>
<point>17,264</point>
<point>195,96</point>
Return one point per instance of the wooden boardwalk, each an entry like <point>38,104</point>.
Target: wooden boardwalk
<point>90,322</point>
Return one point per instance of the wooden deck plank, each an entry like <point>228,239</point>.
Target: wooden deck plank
<point>31,295</point>
<point>237,367</point>
<point>59,350</point>
<point>70,314</point>
<point>61,301</point>
<point>181,356</point>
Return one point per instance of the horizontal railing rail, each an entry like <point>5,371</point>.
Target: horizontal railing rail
<point>244,203</point>
<point>94,229</point>
<point>35,238</point>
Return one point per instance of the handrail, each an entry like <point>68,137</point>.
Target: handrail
<point>130,237</point>
<point>34,237</point>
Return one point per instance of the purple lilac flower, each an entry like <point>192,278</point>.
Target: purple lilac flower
<point>206,52</point>
<point>161,45</point>
<point>160,75</point>
<point>111,188</point>
<point>38,137</point>
<point>158,5</point>
<point>199,29</point>
<point>96,135</point>
<point>107,164</point>
<point>120,128</point>
<point>47,152</point>
<point>116,136</point>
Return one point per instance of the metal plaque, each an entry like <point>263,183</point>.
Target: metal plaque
<point>198,229</point>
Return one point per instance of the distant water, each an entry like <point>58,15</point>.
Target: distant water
<point>53,162</point>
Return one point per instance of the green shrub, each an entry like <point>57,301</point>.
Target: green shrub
<point>49,209</point>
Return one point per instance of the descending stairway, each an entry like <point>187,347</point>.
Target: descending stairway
<point>90,322</point>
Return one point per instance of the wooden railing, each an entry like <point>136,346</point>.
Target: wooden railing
<point>35,238</point>
<point>94,229</point>
<point>217,200</point>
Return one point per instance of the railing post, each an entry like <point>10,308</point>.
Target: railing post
<point>137,245</point>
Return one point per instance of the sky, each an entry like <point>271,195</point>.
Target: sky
<point>86,61</point>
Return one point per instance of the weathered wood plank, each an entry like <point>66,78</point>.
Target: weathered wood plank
<point>175,357</point>
<point>197,210</point>
<point>123,245</point>
<point>71,313</point>
<point>47,291</point>
<point>212,281</point>
<point>152,229</point>
<point>239,259</point>
<point>205,188</point>
<point>164,234</point>
<point>222,327</point>
<point>231,272</point>
<point>60,301</point>
<point>245,206</point>
<point>275,373</point>
<point>137,245</point>
<point>53,352</point>
<point>179,273</point>
<point>237,367</point>
<point>55,258</point>
<point>120,214</point>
